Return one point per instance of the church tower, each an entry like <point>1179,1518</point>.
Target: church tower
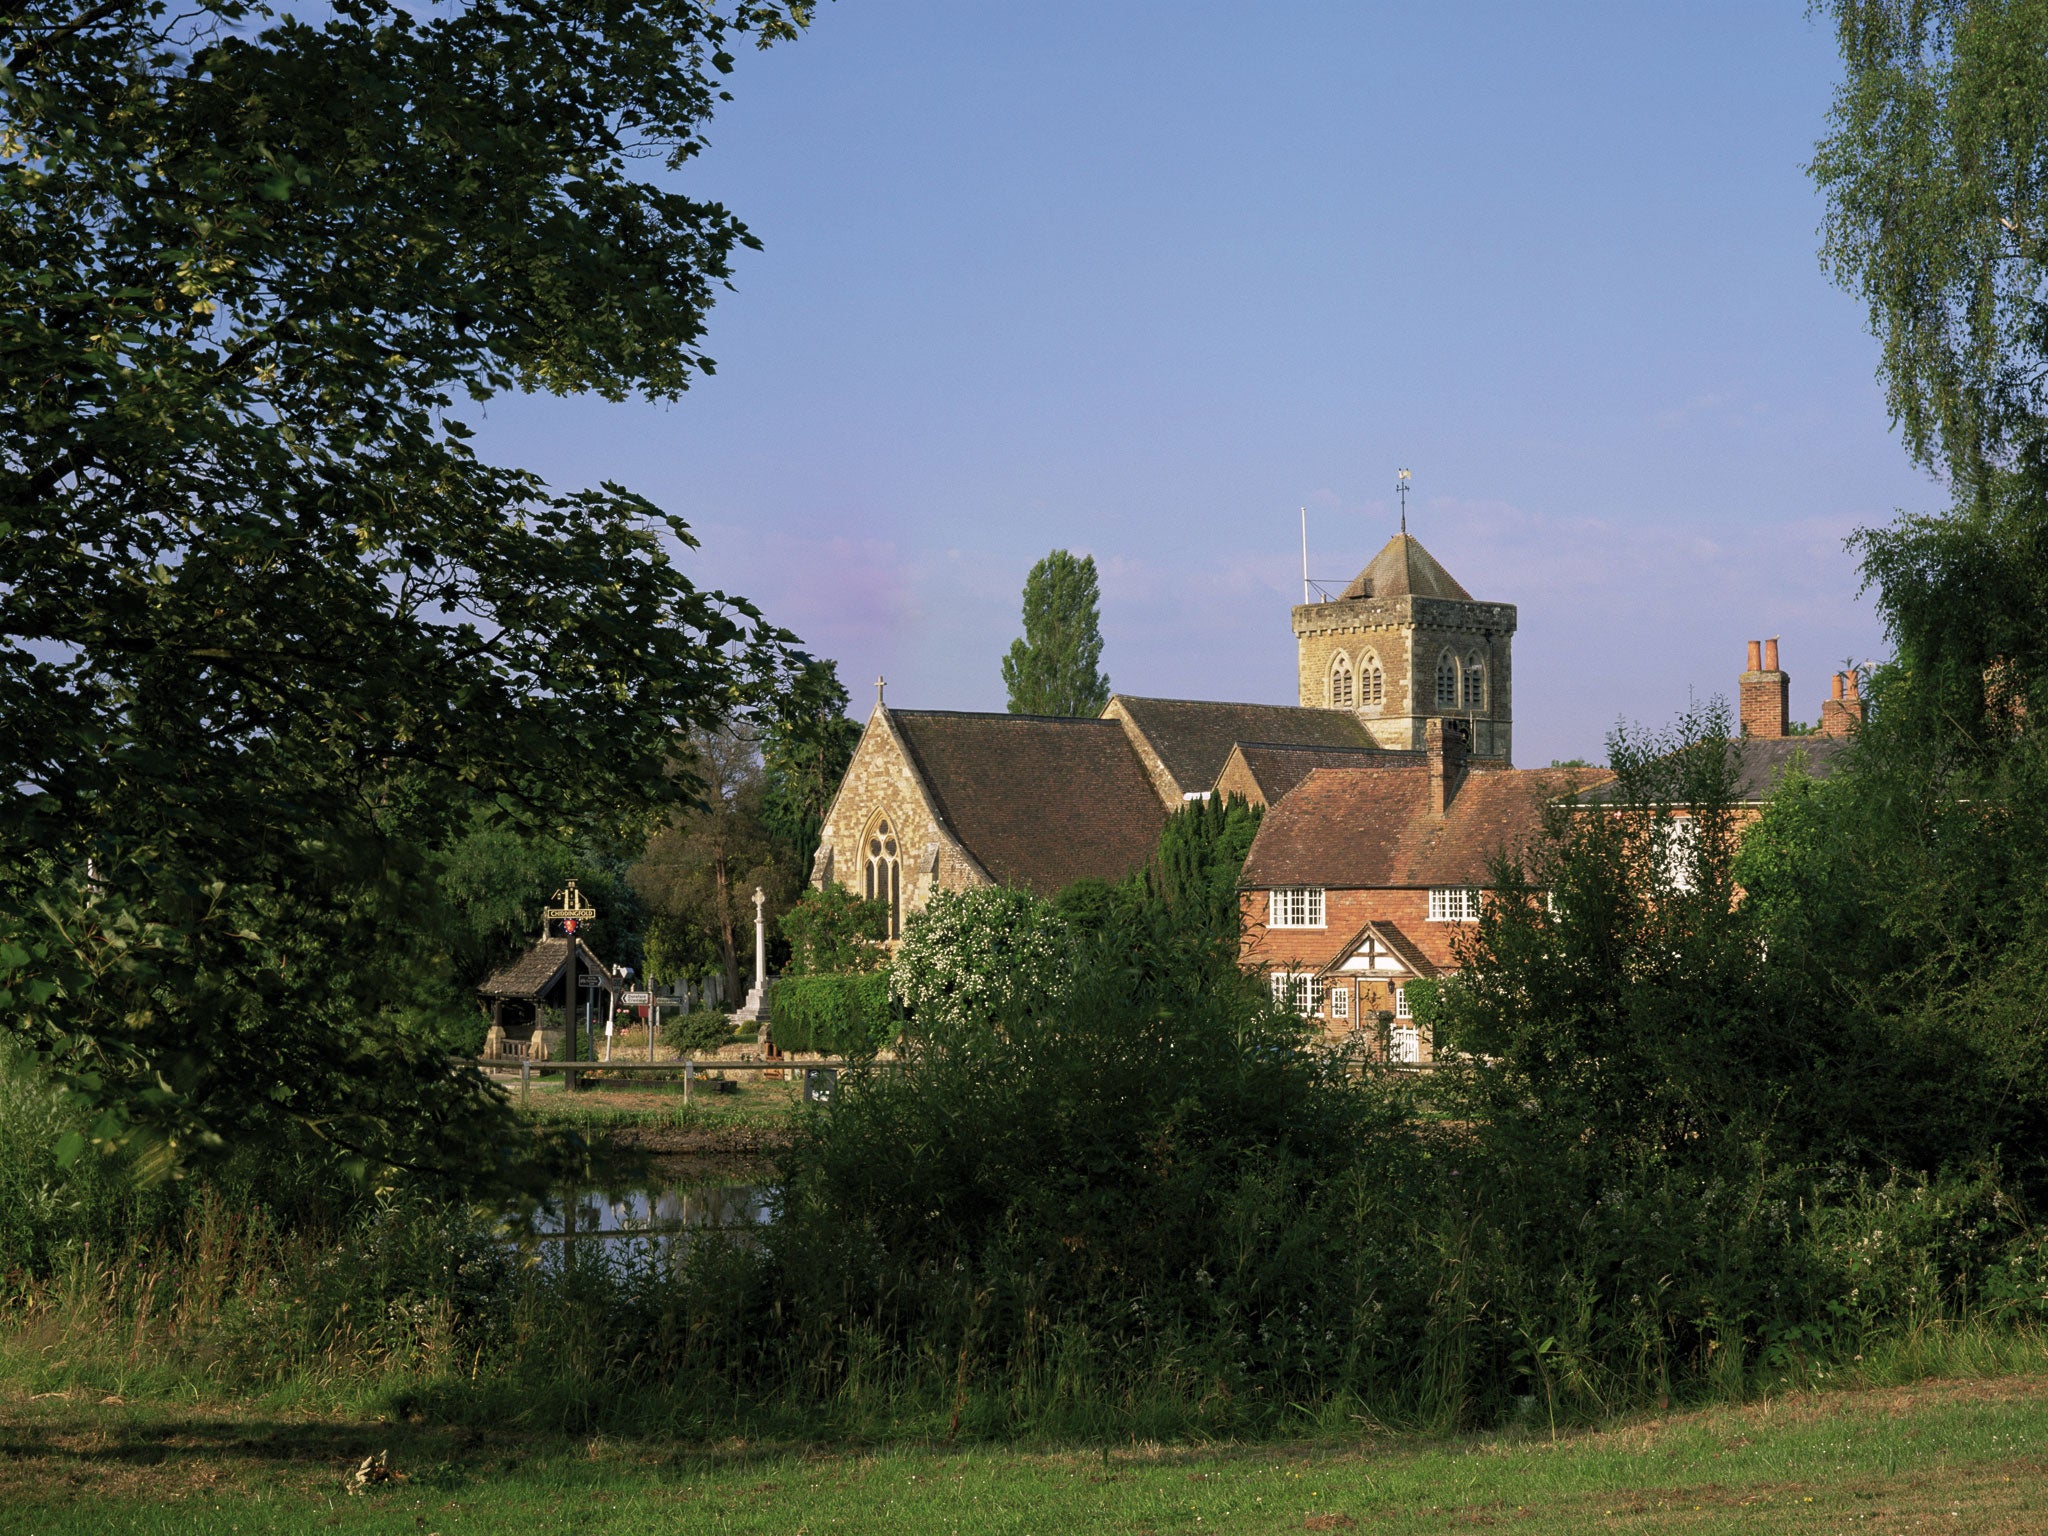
<point>1405,644</point>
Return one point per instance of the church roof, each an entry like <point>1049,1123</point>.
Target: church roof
<point>1263,771</point>
<point>535,972</point>
<point>1193,738</point>
<point>1372,829</point>
<point>1039,801</point>
<point>1405,569</point>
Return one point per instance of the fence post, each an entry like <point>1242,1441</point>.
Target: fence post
<point>525,1078</point>
<point>689,1076</point>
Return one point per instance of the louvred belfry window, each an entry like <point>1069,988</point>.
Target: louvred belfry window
<point>1447,681</point>
<point>1475,684</point>
<point>1340,683</point>
<point>1372,682</point>
<point>883,881</point>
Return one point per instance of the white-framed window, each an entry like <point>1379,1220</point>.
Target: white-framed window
<point>1406,1043</point>
<point>1401,1010</point>
<point>1453,904</point>
<point>1340,1002</point>
<point>1297,990</point>
<point>1681,853</point>
<point>1297,906</point>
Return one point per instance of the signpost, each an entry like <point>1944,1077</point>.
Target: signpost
<point>571,912</point>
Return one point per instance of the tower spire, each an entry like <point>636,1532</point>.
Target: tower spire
<point>1401,486</point>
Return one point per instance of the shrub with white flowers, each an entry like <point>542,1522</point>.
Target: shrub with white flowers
<point>973,957</point>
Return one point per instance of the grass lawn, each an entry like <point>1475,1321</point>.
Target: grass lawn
<point>1944,1455</point>
<point>762,1109</point>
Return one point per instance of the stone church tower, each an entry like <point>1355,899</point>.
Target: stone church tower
<point>1405,644</point>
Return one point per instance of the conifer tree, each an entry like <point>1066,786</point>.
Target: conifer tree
<point>1056,668</point>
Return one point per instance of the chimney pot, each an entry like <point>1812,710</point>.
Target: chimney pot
<point>1852,690</point>
<point>1838,685</point>
<point>1771,654</point>
<point>1756,656</point>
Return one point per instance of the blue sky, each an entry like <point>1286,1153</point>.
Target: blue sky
<point>1141,280</point>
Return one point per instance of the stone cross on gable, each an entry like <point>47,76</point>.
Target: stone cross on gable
<point>880,683</point>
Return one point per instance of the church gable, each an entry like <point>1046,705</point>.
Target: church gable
<point>1185,743</point>
<point>884,836</point>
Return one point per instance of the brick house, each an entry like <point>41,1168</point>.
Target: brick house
<point>1770,746</point>
<point>939,800</point>
<point>1361,878</point>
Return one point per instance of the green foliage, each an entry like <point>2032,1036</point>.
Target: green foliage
<point>804,756</point>
<point>972,953</point>
<point>837,1015</point>
<point>701,1029</point>
<point>1201,853</point>
<point>1056,668</point>
<point>1936,175</point>
<point>273,634</point>
<point>831,930</point>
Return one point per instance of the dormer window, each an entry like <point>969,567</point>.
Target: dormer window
<point>1297,906</point>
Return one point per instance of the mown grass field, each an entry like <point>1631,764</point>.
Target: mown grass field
<point>1954,1455</point>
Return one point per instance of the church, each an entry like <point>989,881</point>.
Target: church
<point>944,800</point>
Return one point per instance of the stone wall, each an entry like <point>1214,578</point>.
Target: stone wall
<point>880,781</point>
<point>1407,635</point>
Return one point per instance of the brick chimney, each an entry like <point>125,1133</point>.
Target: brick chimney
<point>1446,743</point>
<point>1842,715</point>
<point>1766,692</point>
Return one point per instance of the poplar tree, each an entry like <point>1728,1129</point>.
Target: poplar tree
<point>1056,668</point>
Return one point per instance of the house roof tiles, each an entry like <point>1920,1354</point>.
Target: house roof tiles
<point>1372,828</point>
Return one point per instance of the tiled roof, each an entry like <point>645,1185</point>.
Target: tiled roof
<point>1405,569</point>
<point>1371,828</point>
<point>531,974</point>
<point>1760,762</point>
<point>1039,801</point>
<point>1275,768</point>
<point>1193,738</point>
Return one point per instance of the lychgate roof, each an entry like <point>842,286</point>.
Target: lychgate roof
<point>1193,737</point>
<point>535,972</point>
<point>1039,801</point>
<point>1405,569</point>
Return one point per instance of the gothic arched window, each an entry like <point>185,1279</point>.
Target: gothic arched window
<point>1340,682</point>
<point>882,878</point>
<point>1372,682</point>
<point>1475,683</point>
<point>1447,681</point>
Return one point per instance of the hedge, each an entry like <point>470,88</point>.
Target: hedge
<point>836,1015</point>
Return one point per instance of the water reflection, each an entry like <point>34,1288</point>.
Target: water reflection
<point>660,1208</point>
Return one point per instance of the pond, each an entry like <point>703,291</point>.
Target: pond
<point>676,1198</point>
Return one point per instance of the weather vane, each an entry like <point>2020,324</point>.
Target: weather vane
<point>1401,486</point>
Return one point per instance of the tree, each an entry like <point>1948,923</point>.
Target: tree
<point>808,745</point>
<point>1056,668</point>
<point>1936,175</point>
<point>274,635</point>
<point>700,872</point>
<point>831,931</point>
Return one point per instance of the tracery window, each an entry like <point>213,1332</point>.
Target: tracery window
<point>1475,684</point>
<point>883,876</point>
<point>1340,682</point>
<point>1372,682</point>
<point>1447,681</point>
